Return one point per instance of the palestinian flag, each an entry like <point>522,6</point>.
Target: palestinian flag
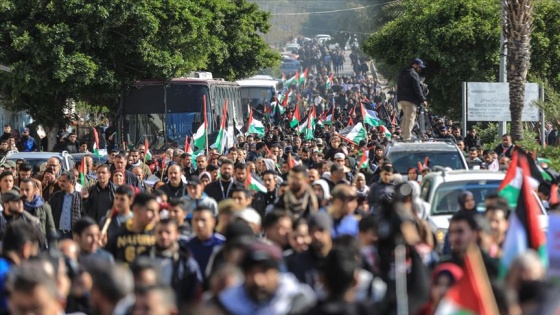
<point>221,140</point>
<point>524,229</point>
<point>295,117</point>
<point>310,126</point>
<point>188,145</point>
<point>148,155</point>
<point>354,133</point>
<point>350,122</point>
<point>472,294</point>
<point>303,78</point>
<point>255,126</point>
<point>370,117</point>
<point>254,184</point>
<point>199,138</point>
<point>364,160</point>
<point>329,82</point>
<point>329,119</point>
<point>291,81</point>
<point>283,78</point>
<point>297,78</point>
<point>385,131</point>
<point>291,161</point>
<point>96,150</point>
<point>509,188</point>
<point>83,172</point>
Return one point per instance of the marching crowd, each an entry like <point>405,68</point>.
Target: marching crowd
<point>278,224</point>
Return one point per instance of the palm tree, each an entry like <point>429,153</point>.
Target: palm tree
<point>517,27</point>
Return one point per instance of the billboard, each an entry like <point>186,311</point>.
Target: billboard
<point>490,102</point>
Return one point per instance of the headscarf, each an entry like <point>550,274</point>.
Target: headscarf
<point>462,199</point>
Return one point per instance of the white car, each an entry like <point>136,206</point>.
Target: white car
<point>441,190</point>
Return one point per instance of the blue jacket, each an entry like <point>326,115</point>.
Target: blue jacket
<point>347,225</point>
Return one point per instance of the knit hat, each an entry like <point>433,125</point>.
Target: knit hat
<point>320,220</point>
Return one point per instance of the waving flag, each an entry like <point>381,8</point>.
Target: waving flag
<point>255,126</point>
<point>199,138</point>
<point>252,183</point>
<point>369,116</point>
<point>385,131</point>
<point>364,160</point>
<point>148,154</point>
<point>96,150</point>
<point>473,293</point>
<point>329,119</point>
<point>303,78</point>
<point>295,117</point>
<point>188,145</point>
<point>83,172</point>
<point>310,126</point>
<point>291,81</point>
<point>354,133</point>
<point>221,140</point>
<point>329,82</point>
<point>524,230</point>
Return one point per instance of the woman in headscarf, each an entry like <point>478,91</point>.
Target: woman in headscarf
<point>443,277</point>
<point>360,184</point>
<point>466,201</point>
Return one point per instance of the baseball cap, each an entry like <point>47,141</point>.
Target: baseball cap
<point>25,130</point>
<point>11,195</point>
<point>443,128</point>
<point>319,142</point>
<point>419,62</point>
<point>263,254</point>
<point>194,180</point>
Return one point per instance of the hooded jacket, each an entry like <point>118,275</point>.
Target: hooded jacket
<point>290,297</point>
<point>40,209</point>
<point>204,201</point>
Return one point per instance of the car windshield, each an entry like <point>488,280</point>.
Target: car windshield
<point>404,160</point>
<point>446,197</point>
<point>35,163</point>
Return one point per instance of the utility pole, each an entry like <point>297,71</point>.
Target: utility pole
<point>502,75</point>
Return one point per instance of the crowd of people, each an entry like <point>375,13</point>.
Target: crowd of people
<point>190,234</point>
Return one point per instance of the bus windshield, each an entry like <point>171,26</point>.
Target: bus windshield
<point>154,112</point>
<point>255,95</point>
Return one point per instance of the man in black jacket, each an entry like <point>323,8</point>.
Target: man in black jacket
<point>99,197</point>
<point>221,189</point>
<point>410,94</point>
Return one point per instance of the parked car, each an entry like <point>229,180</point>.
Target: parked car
<point>78,157</point>
<point>404,155</point>
<point>36,159</point>
<point>441,190</point>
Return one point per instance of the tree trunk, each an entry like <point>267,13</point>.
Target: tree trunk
<point>51,137</point>
<point>517,29</point>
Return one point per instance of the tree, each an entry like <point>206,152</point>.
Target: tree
<point>245,51</point>
<point>88,50</point>
<point>517,25</point>
<point>459,41</point>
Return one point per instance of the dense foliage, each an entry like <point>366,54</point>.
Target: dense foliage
<point>89,50</point>
<point>459,41</point>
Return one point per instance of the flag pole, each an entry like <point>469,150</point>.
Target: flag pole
<point>205,122</point>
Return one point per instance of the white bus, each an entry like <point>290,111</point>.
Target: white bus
<point>257,92</point>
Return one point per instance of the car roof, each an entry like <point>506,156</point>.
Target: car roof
<point>422,146</point>
<point>464,175</point>
<point>34,155</point>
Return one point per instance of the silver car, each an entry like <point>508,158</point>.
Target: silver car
<point>441,189</point>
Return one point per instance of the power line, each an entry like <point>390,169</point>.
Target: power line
<point>334,11</point>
